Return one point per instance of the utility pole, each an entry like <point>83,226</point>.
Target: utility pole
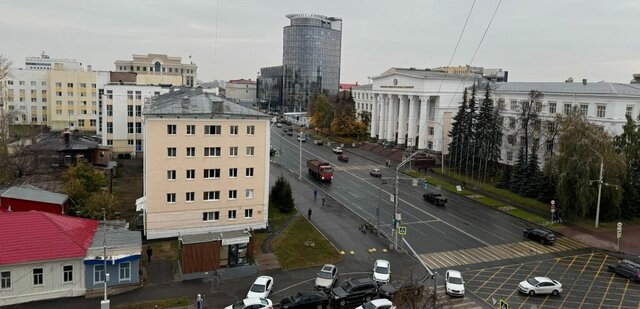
<point>104,304</point>
<point>396,215</point>
<point>384,182</point>
<point>599,190</point>
<point>300,154</point>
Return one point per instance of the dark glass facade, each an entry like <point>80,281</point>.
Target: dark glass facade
<point>269,88</point>
<point>311,59</point>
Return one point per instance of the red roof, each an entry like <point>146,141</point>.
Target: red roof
<point>345,86</point>
<point>39,236</point>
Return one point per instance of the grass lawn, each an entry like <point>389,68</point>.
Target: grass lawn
<point>127,187</point>
<point>302,245</point>
<point>277,218</point>
<point>163,303</point>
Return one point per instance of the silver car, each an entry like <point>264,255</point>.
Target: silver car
<point>326,277</point>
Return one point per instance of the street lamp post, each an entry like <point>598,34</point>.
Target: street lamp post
<point>396,215</point>
<point>599,181</point>
<point>384,182</point>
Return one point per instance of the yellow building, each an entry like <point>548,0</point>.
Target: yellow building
<point>206,166</point>
<point>151,66</point>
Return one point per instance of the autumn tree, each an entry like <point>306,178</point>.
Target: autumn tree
<point>84,185</point>
<point>321,113</point>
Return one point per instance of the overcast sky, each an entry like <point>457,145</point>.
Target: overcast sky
<point>541,40</point>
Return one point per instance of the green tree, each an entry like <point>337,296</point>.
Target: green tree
<point>628,144</point>
<point>470,123</point>
<point>97,203</point>
<point>530,187</point>
<point>281,195</point>
<point>457,133</point>
<point>81,181</point>
<point>365,118</point>
<point>321,113</point>
<point>577,165</point>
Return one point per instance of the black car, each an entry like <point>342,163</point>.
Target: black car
<point>272,151</point>
<point>306,299</point>
<point>389,290</point>
<point>435,199</point>
<point>354,291</point>
<point>626,269</point>
<point>343,158</point>
<point>543,236</point>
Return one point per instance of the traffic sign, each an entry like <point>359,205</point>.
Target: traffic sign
<point>553,202</point>
<point>619,230</point>
<point>503,304</point>
<point>402,230</point>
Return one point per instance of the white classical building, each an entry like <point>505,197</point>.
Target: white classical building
<point>412,106</point>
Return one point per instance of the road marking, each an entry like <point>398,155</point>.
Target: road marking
<point>529,275</point>
<point>579,275</point>
<point>494,274</point>
<point>625,293</point>
<point>592,281</point>
<point>504,281</point>
<point>312,279</point>
<point>611,277</point>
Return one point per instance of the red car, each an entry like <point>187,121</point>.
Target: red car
<point>343,158</point>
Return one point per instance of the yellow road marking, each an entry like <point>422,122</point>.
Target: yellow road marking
<point>625,293</point>
<point>594,277</point>
<point>527,276</point>
<point>612,275</point>
<point>489,279</point>
<point>504,281</point>
<point>580,275</point>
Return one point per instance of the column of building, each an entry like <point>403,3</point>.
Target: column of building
<point>402,120</point>
<point>374,115</point>
<point>422,132</point>
<point>414,109</point>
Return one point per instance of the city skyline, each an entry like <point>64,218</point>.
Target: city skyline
<point>542,41</point>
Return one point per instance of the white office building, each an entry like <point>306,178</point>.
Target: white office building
<point>27,96</point>
<point>46,63</point>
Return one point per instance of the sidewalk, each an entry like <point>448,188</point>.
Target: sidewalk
<point>601,239</point>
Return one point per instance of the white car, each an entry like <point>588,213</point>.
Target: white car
<point>261,287</point>
<point>381,303</point>
<point>301,138</point>
<point>337,150</point>
<point>381,271</point>
<point>540,285</point>
<point>279,125</point>
<point>252,303</point>
<point>453,283</point>
<point>326,277</point>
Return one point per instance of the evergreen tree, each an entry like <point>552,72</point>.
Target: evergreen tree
<point>531,182</point>
<point>469,126</point>
<point>628,143</point>
<point>281,195</point>
<point>457,129</point>
<point>505,178</point>
<point>518,172</point>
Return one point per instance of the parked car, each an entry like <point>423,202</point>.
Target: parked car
<point>252,303</point>
<point>306,299</point>
<point>626,269</point>
<point>543,236</point>
<point>453,283</point>
<point>301,138</point>
<point>381,271</point>
<point>318,142</point>
<point>381,303</point>
<point>540,285</point>
<point>290,132</point>
<point>337,150</point>
<point>272,151</point>
<point>376,172</point>
<point>354,291</point>
<point>261,287</point>
<point>389,290</point>
<point>435,199</point>
<point>326,277</point>
<point>343,158</point>
<point>279,125</point>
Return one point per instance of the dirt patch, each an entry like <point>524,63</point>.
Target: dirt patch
<point>127,187</point>
<point>164,250</point>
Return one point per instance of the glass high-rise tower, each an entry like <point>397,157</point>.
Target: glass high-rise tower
<point>311,59</point>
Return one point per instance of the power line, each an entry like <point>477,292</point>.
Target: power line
<point>215,40</point>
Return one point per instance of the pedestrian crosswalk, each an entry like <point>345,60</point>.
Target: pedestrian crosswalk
<point>354,167</point>
<point>497,252</point>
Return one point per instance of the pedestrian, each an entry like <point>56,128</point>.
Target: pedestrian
<point>323,202</point>
<point>309,214</point>
<point>315,194</point>
<point>149,253</point>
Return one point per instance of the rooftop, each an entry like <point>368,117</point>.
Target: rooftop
<point>602,88</point>
<point>31,193</point>
<point>40,236</point>
<point>421,73</point>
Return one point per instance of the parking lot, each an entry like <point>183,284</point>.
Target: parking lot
<point>586,282</point>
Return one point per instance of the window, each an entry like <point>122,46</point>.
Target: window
<point>429,145</point>
<point>5,280</point>
<point>124,271</point>
<point>171,174</point>
<point>109,142</point>
<point>130,128</point>
<point>9,82</point>
<point>248,193</point>
<point>70,103</point>
<point>139,127</point>
<point>109,110</point>
<point>584,109</point>
<point>38,274</point>
<point>81,122</point>
<point>549,145</point>
<point>109,127</point>
<point>67,274</point>
<point>191,151</point>
<point>191,129</point>
<point>233,172</point>
<point>130,95</point>
<point>552,107</point>
<point>567,108</point>
<point>83,85</point>
<point>210,173</point>
<point>250,150</point>
<point>232,214</point>
<point>138,95</point>
<point>92,122</point>
<point>430,130</point>
<point>509,156</point>
<point>58,93</point>
<point>190,196</point>
<point>514,105</point>
<point>171,128</point>
<point>233,151</point>
<point>512,122</point>
<point>138,111</point>
<point>551,127</point>
<point>211,216</point>
<point>191,174</point>
<point>171,152</point>
<point>98,273</point>
<point>58,84</point>
<point>629,111</point>
<point>171,198</point>
<point>69,85</point>
<point>69,93</point>
<point>233,130</point>
<point>249,172</point>
<point>233,194</point>
<point>251,130</point>
<point>212,151</point>
<point>211,195</point>
<point>601,111</point>
<point>511,139</point>
<point>248,213</point>
<point>129,142</point>
<point>213,130</point>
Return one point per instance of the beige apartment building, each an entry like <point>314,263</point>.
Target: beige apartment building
<point>206,166</point>
<point>241,90</point>
<point>153,69</point>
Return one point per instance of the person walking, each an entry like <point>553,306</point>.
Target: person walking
<point>309,214</point>
<point>149,253</point>
<point>315,194</point>
<point>323,200</point>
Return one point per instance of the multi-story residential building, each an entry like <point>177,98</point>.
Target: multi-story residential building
<point>74,98</point>
<point>412,107</point>
<point>156,69</point>
<point>604,104</point>
<point>311,53</point>
<point>206,165</point>
<point>241,90</point>
<point>28,96</point>
<point>44,62</point>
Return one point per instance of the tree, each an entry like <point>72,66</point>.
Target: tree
<point>470,122</point>
<point>6,118</point>
<point>577,165</point>
<point>488,134</point>
<point>321,113</point>
<point>281,195</point>
<point>456,133</point>
<point>97,203</point>
<point>365,118</point>
<point>518,172</point>
<point>530,186</point>
<point>81,182</point>
<point>628,144</point>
